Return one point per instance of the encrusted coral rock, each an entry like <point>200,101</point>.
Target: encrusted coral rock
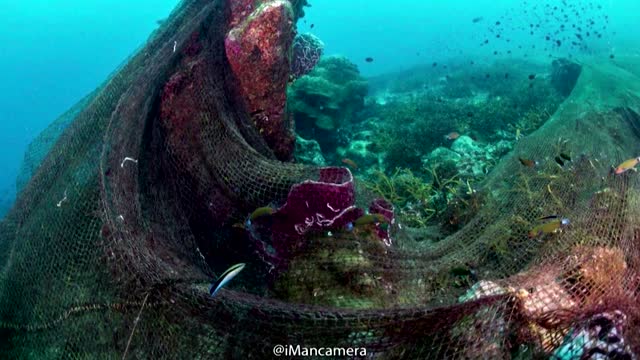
<point>307,50</point>
<point>257,47</point>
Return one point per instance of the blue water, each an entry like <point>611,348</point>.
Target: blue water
<point>56,51</point>
<point>53,53</point>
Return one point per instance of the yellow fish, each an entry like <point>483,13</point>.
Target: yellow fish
<point>627,165</point>
<point>370,219</point>
<point>352,164</point>
<point>549,227</point>
<point>261,211</point>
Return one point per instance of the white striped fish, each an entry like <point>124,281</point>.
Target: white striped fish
<point>225,278</point>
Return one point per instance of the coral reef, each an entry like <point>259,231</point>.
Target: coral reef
<point>471,159</point>
<point>414,111</point>
<point>257,47</point>
<point>307,50</point>
<point>359,150</point>
<point>328,97</point>
<point>308,152</point>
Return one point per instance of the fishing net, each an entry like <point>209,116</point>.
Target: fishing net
<point>139,196</point>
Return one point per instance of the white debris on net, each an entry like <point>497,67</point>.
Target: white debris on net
<point>200,253</point>
<point>175,44</point>
<point>120,217</point>
<point>481,289</point>
<point>59,204</point>
<point>128,159</point>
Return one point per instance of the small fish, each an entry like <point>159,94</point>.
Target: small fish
<point>239,225</point>
<point>477,19</point>
<point>261,211</point>
<point>559,161</point>
<point>350,163</point>
<point>627,165</point>
<point>460,271</point>
<point>452,135</point>
<point>532,76</point>
<point>550,227</point>
<point>549,217</point>
<point>528,162</point>
<point>465,270</point>
<point>225,278</point>
<point>370,219</point>
<point>369,59</point>
<point>469,114</point>
<point>565,156</point>
<point>312,25</point>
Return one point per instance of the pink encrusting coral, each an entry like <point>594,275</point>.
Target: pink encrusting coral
<point>257,46</point>
<point>312,206</point>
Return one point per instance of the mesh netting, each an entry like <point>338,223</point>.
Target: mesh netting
<point>141,198</point>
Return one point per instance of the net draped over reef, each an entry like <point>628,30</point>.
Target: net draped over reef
<point>134,200</point>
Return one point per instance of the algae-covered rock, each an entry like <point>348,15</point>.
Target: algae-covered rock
<point>308,152</point>
<point>334,272</point>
